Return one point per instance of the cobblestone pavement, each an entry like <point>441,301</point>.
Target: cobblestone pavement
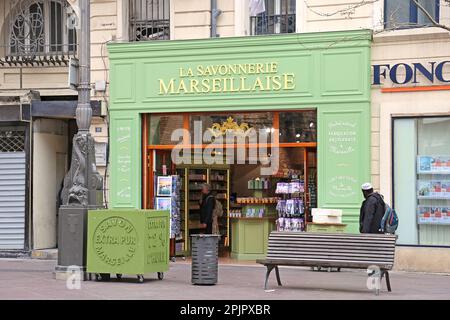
<point>33,279</point>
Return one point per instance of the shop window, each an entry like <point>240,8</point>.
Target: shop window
<point>272,16</point>
<point>149,20</point>
<point>298,127</point>
<point>400,14</point>
<point>161,128</point>
<point>12,140</point>
<point>239,121</point>
<point>422,180</point>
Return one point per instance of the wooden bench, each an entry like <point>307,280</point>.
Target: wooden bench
<point>339,250</point>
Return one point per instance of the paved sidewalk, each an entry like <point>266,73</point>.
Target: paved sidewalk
<point>32,279</point>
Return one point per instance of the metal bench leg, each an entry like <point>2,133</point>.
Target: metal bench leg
<point>269,270</point>
<point>277,273</point>
<point>388,281</point>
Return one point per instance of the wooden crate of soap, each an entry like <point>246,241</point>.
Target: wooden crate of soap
<point>326,227</point>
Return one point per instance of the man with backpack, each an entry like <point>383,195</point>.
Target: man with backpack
<point>372,210</point>
<point>210,210</point>
<point>207,203</point>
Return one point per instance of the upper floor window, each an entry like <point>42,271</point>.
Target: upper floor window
<point>149,20</point>
<point>272,16</point>
<point>406,14</point>
<point>39,27</point>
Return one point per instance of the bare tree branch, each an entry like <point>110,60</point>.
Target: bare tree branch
<point>350,9</point>
<point>430,17</point>
<point>347,10</point>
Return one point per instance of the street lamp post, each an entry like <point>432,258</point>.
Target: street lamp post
<point>83,184</point>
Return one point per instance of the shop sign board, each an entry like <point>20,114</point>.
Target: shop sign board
<point>404,73</point>
<point>228,78</point>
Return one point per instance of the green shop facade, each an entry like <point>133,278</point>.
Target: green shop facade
<point>162,85</point>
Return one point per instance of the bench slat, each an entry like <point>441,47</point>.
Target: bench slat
<point>332,235</point>
<point>344,240</point>
<point>319,260</point>
<point>315,263</point>
<point>331,253</point>
<point>335,242</point>
<point>294,246</point>
<point>298,244</point>
<point>313,244</point>
<point>327,257</point>
<point>333,249</point>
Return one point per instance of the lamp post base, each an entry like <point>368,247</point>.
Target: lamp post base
<point>69,272</point>
<point>72,241</point>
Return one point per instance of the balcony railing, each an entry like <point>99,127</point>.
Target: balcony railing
<point>149,20</point>
<point>45,55</point>
<point>272,24</point>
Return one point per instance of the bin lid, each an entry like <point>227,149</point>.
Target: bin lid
<point>204,235</point>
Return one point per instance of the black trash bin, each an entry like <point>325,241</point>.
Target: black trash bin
<point>205,258</point>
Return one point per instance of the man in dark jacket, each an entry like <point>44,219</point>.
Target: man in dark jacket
<point>206,208</point>
<point>372,210</point>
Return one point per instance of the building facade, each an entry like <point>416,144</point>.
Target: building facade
<point>38,41</point>
<point>409,73</point>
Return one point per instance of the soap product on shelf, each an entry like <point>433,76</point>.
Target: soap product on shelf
<point>290,207</point>
<point>258,184</point>
<point>254,200</point>
<point>290,187</point>
<point>235,213</point>
<point>290,224</point>
<point>254,212</point>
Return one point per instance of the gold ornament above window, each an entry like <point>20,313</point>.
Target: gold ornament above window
<point>230,125</point>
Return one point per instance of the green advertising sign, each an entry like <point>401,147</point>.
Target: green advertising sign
<point>128,241</point>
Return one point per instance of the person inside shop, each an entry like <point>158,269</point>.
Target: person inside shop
<point>207,203</point>
<point>372,210</point>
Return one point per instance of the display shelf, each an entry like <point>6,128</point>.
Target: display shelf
<point>433,164</point>
<point>434,173</point>
<point>433,198</point>
<point>433,190</point>
<point>273,218</point>
<point>219,178</point>
<point>195,177</point>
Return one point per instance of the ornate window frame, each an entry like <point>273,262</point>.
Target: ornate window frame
<point>31,29</point>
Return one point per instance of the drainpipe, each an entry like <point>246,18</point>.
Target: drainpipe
<point>215,13</point>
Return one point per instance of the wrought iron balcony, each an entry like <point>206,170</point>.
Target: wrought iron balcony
<point>271,24</point>
<point>35,33</point>
<point>29,57</point>
<point>149,20</point>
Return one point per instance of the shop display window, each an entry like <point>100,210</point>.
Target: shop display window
<point>161,128</point>
<point>298,126</point>
<point>422,180</point>
<point>238,121</point>
<point>281,200</point>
